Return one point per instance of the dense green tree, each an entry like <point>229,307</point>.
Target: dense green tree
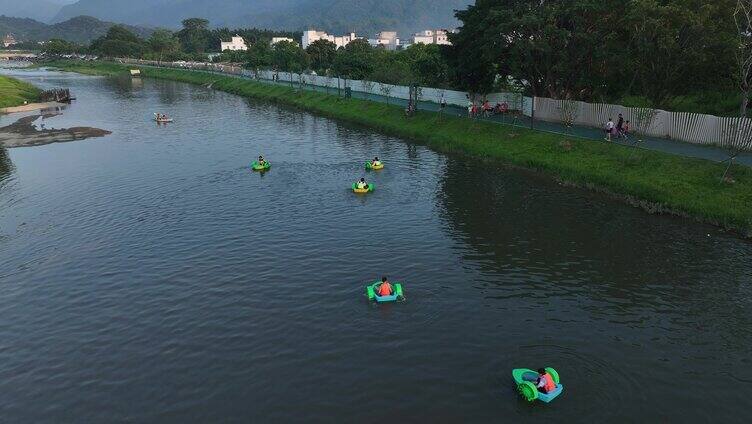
<point>195,36</point>
<point>678,46</point>
<point>428,64</point>
<point>259,56</point>
<point>595,49</point>
<point>57,46</point>
<point>163,42</point>
<point>322,54</point>
<point>355,61</point>
<point>289,57</point>
<point>119,42</point>
<point>392,68</point>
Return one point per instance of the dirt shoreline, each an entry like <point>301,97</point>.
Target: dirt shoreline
<point>31,107</point>
<point>22,133</point>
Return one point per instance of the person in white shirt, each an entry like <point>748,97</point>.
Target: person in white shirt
<point>609,129</point>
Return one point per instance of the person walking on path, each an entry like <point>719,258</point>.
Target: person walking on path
<point>609,129</point>
<point>620,124</point>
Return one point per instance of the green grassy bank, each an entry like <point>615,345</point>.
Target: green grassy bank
<point>14,92</point>
<point>655,181</point>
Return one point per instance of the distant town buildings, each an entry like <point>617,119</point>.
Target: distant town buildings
<point>9,40</point>
<point>432,36</point>
<point>386,39</point>
<point>237,43</point>
<point>276,40</point>
<point>309,36</point>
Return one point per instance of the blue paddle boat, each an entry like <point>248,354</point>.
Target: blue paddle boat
<point>372,289</point>
<point>525,380</point>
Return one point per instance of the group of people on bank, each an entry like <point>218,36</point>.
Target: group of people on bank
<point>620,129</point>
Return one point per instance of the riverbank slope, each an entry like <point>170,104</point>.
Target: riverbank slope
<point>14,92</point>
<point>654,181</point>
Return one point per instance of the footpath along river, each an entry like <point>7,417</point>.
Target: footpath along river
<point>150,276</point>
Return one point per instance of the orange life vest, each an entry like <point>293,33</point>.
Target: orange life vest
<point>550,385</point>
<point>385,289</point>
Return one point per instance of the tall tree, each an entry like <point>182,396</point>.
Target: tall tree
<point>118,42</point>
<point>322,54</point>
<point>259,56</point>
<point>289,57</point>
<point>355,61</point>
<point>163,41</point>
<point>195,35</point>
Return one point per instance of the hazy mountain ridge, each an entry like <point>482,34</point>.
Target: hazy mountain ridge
<point>40,10</point>
<point>363,16</point>
<point>81,29</point>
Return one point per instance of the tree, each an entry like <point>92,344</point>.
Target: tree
<point>743,74</point>
<point>678,46</point>
<point>58,47</point>
<point>355,61</point>
<point>119,42</point>
<point>428,64</point>
<point>289,57</point>
<point>595,50</point>
<point>322,54</point>
<point>259,56</point>
<point>163,41</point>
<point>195,35</point>
<point>389,69</point>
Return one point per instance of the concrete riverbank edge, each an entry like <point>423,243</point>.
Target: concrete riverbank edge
<point>653,181</point>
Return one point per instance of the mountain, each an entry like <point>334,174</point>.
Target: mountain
<point>40,10</point>
<point>81,29</point>
<point>363,16</point>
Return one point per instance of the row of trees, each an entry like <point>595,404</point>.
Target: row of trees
<point>422,64</point>
<point>673,54</point>
<point>597,50</point>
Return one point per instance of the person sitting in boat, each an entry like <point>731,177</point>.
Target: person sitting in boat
<point>362,184</point>
<point>158,116</point>
<point>376,161</point>
<point>545,382</point>
<point>384,289</point>
<point>261,161</point>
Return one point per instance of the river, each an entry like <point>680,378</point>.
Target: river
<point>150,276</point>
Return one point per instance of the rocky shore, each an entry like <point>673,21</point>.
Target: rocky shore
<point>23,133</point>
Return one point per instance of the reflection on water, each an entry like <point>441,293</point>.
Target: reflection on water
<point>6,166</point>
<point>151,276</point>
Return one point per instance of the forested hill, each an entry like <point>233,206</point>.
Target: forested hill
<point>81,29</point>
<point>363,16</point>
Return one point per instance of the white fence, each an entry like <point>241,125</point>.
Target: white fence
<point>688,127</point>
<point>693,128</point>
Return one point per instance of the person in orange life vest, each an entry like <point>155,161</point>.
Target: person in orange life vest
<point>545,383</point>
<point>384,289</point>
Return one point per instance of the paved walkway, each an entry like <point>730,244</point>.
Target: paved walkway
<point>712,153</point>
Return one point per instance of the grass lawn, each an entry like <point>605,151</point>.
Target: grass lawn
<point>14,92</point>
<point>655,181</point>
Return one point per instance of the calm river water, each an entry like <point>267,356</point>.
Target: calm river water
<point>150,276</point>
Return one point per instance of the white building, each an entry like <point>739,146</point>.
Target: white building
<point>237,43</point>
<point>276,40</point>
<point>309,36</point>
<point>386,39</point>
<point>430,36</point>
<point>8,40</point>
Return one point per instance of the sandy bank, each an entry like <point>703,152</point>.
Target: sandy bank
<point>22,133</point>
<point>31,107</point>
